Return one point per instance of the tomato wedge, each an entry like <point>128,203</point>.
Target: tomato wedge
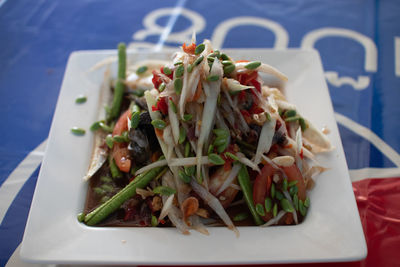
<point>120,151</point>
<point>262,188</point>
<point>293,173</point>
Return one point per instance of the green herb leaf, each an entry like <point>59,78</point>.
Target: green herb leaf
<point>307,202</point>
<point>268,204</point>
<point>216,159</point>
<point>296,202</point>
<point>273,190</point>
<point>279,195</point>
<point>199,49</point>
<point>179,71</point>
<point>184,177</point>
<point>302,209</point>
<point>178,85</point>
<point>229,69</point>
<point>231,155</point>
<point>141,70</point>
<point>187,117</point>
<point>182,135</point>
<point>292,183</point>
<point>167,71</point>
<point>105,127</point>
<point>212,78</point>
<point>164,190</point>
<point>78,131</point>
<point>190,170</point>
<point>286,206</point>
<point>240,217</point>
<point>260,209</point>
<point>284,184</point>
<point>135,119</point>
<point>187,149</point>
<point>293,190</point>
<point>221,132</point>
<point>253,65</point>
<point>110,141</point>
<point>80,99</point>
<point>159,124</point>
<point>290,119</point>
<point>154,221</point>
<point>137,92</point>
<point>220,141</point>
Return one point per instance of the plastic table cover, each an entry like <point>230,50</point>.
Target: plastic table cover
<point>358,40</point>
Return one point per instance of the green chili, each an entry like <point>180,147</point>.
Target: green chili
<point>231,155</point>
<point>154,221</point>
<point>161,87</point>
<point>290,113</point>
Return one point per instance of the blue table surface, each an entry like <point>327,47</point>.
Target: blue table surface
<point>358,40</point>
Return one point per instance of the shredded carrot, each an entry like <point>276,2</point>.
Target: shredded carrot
<point>242,60</point>
<point>198,93</point>
<point>189,49</point>
<point>159,132</point>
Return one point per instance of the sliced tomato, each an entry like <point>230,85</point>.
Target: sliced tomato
<point>120,151</point>
<point>262,188</point>
<point>293,174</point>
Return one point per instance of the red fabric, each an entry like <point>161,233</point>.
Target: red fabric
<point>378,203</point>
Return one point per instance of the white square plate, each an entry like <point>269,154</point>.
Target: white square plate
<point>331,231</point>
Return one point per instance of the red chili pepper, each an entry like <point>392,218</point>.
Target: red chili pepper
<point>156,79</point>
<point>256,109</point>
<point>161,106</point>
<point>256,84</point>
<point>245,113</point>
<point>242,96</point>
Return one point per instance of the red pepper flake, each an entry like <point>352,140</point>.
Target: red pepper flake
<point>161,105</point>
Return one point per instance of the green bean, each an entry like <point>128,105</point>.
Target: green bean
<point>119,87</point>
<point>244,182</point>
<point>260,209</point>
<point>104,210</point>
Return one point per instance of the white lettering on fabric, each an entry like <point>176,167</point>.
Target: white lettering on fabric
<point>397,55</point>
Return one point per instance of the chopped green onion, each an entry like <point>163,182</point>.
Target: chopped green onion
<point>290,113</point>
<point>285,204</point>
<point>154,221</point>
<point>187,117</point>
<point>240,217</point>
<point>135,119</point>
<point>110,141</point>
<point>275,210</point>
<point>178,84</point>
<point>179,71</point>
<point>307,202</point>
<point>173,106</point>
<point>212,78</point>
<point>178,63</point>
<point>268,204</point>
<point>229,69</point>
<point>105,127</point>
<point>167,71</point>
<point>216,159</point>
<point>80,99</point>
<point>182,135</point>
<point>78,131</point>
<point>161,87</point>
<point>184,177</point>
<point>159,124</point>
<point>253,65</point>
<point>260,209</point>
<point>141,70</point>
<point>164,190</point>
<point>199,49</point>
<point>231,155</point>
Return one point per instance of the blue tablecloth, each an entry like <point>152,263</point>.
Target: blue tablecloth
<point>359,43</point>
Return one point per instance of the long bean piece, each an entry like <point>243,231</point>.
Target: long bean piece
<point>119,86</point>
<point>111,205</point>
<point>244,182</point>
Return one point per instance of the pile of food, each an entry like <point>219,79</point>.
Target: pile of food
<point>199,141</point>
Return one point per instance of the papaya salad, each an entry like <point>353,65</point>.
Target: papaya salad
<point>202,140</point>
